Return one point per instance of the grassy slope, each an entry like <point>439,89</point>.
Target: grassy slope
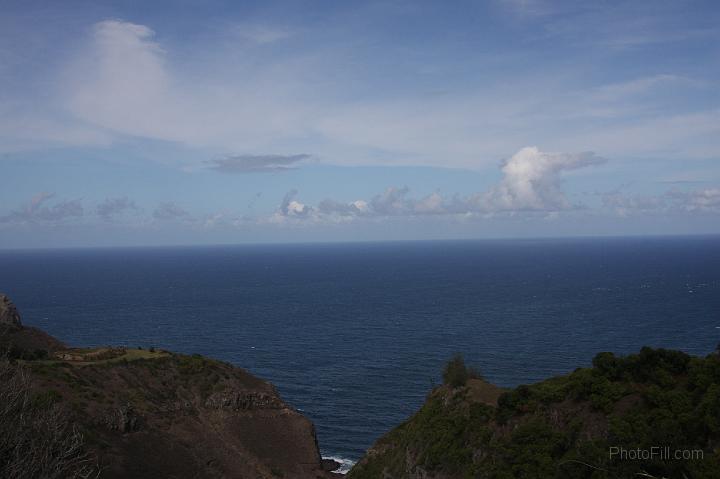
<point>564,426</point>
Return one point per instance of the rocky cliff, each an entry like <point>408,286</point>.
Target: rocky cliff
<point>9,315</point>
<point>18,340</point>
<point>157,414</point>
<point>655,414</point>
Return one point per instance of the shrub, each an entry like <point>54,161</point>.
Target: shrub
<point>38,437</point>
<point>456,373</point>
<point>192,364</point>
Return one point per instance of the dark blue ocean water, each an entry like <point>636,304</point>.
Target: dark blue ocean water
<point>354,335</point>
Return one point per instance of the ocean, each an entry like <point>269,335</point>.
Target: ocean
<point>355,335</point>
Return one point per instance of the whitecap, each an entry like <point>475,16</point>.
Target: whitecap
<point>346,464</point>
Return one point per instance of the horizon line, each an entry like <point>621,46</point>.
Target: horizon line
<point>367,241</point>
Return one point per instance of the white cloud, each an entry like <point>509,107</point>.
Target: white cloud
<point>332,207</point>
<point>701,200</point>
<point>531,181</point>
<point>698,201</point>
<point>431,204</point>
<point>233,96</point>
<point>393,201</point>
<point>120,83</point>
<point>293,208</point>
<point>123,81</point>
<point>625,205</point>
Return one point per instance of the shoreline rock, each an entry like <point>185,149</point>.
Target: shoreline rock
<point>330,465</point>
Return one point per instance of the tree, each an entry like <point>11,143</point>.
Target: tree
<point>456,373</point>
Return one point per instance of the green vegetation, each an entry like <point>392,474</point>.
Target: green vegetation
<point>188,365</point>
<point>565,426</point>
<point>16,352</point>
<point>456,373</point>
<point>87,356</point>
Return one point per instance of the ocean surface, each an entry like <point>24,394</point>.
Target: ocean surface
<point>355,335</point>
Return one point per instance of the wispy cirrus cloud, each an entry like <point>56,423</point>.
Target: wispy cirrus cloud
<point>126,80</point>
<point>123,81</point>
<point>255,163</point>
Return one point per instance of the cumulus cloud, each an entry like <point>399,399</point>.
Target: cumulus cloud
<point>431,204</point>
<point>37,210</point>
<point>393,201</point>
<point>255,163</point>
<point>114,207</point>
<point>332,207</point>
<point>397,202</point>
<point>169,211</point>
<point>293,208</point>
<point>702,200</point>
<point>626,205</point>
<point>531,180</point>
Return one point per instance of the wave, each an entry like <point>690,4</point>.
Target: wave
<point>346,464</point>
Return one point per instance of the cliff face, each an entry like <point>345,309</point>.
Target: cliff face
<point>168,415</point>
<point>156,414</point>
<point>565,427</point>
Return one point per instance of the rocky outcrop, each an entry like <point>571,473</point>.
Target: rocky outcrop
<point>243,400</point>
<point>331,464</point>
<point>22,342</point>
<point>9,315</point>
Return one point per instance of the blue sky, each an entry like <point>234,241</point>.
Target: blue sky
<point>190,122</point>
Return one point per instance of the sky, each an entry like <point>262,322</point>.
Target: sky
<point>212,122</point>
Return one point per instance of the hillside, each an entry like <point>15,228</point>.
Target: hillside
<point>565,427</point>
<point>143,414</point>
